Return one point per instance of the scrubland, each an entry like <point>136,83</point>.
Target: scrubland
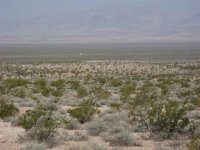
<point>100,105</point>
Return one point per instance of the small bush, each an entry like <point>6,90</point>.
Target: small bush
<point>57,93</point>
<point>19,92</point>
<point>73,124</point>
<point>41,83</point>
<point>79,136</point>
<point>116,105</point>
<point>84,111</point>
<point>127,89</point>
<point>34,146</point>
<point>115,82</point>
<point>91,145</point>
<point>7,109</point>
<point>123,138</point>
<point>195,101</point>
<point>96,127</point>
<point>30,117</point>
<point>194,144</point>
<point>40,123</point>
<point>59,84</point>
<point>167,117</point>
<point>74,84</point>
<point>101,93</point>
<point>12,83</point>
<point>82,92</point>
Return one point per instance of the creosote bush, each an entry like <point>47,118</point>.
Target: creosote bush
<point>115,82</point>
<point>12,83</point>
<point>74,84</point>
<point>82,92</point>
<point>100,93</point>
<point>7,109</point>
<point>39,122</point>
<point>60,83</point>
<point>84,111</point>
<point>161,117</point>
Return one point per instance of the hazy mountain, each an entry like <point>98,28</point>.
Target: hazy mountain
<point>80,21</point>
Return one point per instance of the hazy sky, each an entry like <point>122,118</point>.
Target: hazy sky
<point>89,21</point>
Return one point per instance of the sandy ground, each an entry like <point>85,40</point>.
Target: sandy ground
<point>10,136</point>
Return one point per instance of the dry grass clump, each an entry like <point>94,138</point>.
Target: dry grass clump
<point>96,127</point>
<point>122,138</point>
<point>33,146</point>
<point>90,145</point>
<point>72,124</point>
<point>76,136</point>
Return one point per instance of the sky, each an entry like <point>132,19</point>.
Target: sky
<point>99,21</point>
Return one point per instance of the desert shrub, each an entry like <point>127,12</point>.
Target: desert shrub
<point>77,136</point>
<point>96,127</point>
<point>45,90</point>
<point>116,105</point>
<point>40,123</point>
<point>12,83</point>
<point>122,138</point>
<point>101,80</point>
<point>82,92</point>
<point>45,127</point>
<point>43,87</point>
<point>195,101</point>
<point>59,84</point>
<point>30,117</point>
<point>194,144</point>
<point>40,82</point>
<point>74,84</point>
<point>127,89</point>
<point>166,117</point>
<point>19,92</point>
<point>72,124</point>
<point>101,93</point>
<point>84,111</point>
<point>7,109</point>
<point>33,146</point>
<point>57,92</point>
<point>91,145</point>
<point>115,82</point>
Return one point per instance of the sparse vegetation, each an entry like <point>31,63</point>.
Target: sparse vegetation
<point>119,104</point>
<point>7,109</point>
<point>84,111</point>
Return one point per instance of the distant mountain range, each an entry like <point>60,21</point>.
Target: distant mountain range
<point>90,21</point>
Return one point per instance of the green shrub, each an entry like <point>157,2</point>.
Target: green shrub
<point>84,111</point>
<point>39,122</point>
<point>74,84</point>
<point>82,92</point>
<point>126,90</point>
<point>45,127</point>
<point>101,80</point>
<point>194,144</point>
<point>195,101</point>
<point>123,138</point>
<point>7,109</point>
<point>115,105</point>
<point>60,83</point>
<point>101,93</point>
<point>19,92</point>
<point>46,90</point>
<point>12,83</point>
<point>166,117</point>
<point>115,82</point>
<point>30,117</point>
<point>57,92</point>
<point>40,82</point>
